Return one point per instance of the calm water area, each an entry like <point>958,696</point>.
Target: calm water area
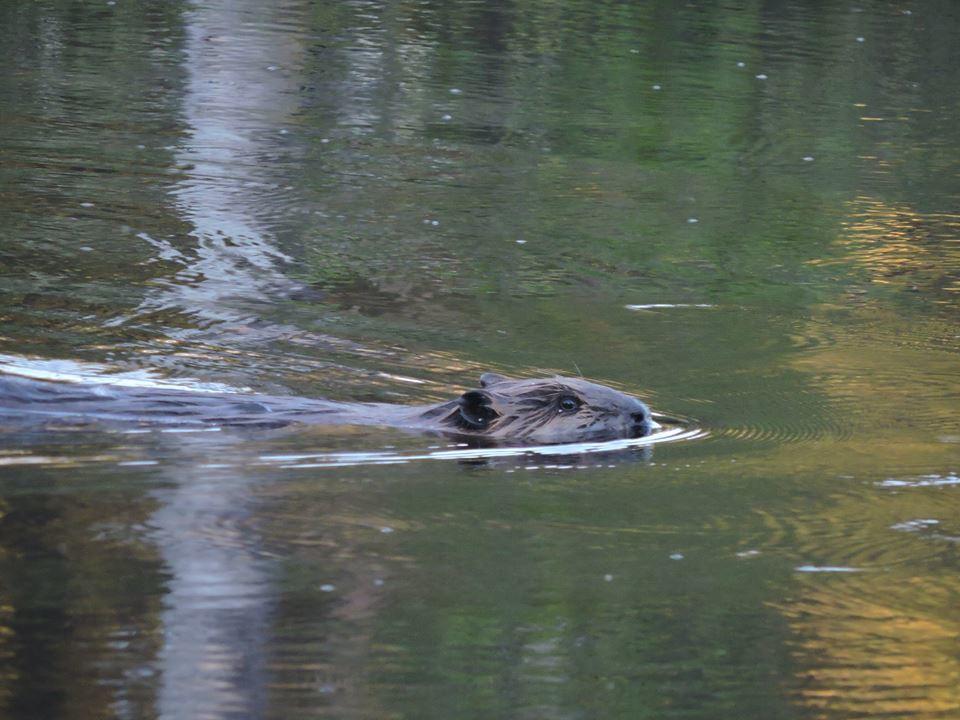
<point>746,213</point>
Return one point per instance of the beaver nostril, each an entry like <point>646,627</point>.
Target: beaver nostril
<point>639,418</point>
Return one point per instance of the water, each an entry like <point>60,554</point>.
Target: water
<point>745,213</point>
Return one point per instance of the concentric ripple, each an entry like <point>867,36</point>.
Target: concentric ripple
<point>868,532</point>
<point>785,416</point>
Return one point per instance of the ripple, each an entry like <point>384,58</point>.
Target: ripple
<point>787,416</point>
<point>875,645</point>
<point>904,248</point>
<point>865,531</point>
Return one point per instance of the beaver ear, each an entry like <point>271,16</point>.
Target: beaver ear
<point>475,409</point>
<point>488,379</point>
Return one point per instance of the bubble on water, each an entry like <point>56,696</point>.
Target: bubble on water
<point>657,87</point>
<point>455,91</point>
<point>808,158</point>
<point>693,220</point>
<point>741,64</point>
<point>634,51</point>
<point>324,141</point>
<point>608,578</point>
<point>378,582</point>
<point>434,222</point>
<point>87,205</point>
<point>386,530</point>
<point>86,248</point>
<point>748,553</point>
<point>521,242</point>
<point>446,117</point>
<point>761,76</point>
<point>328,587</point>
<point>676,556</point>
<point>861,39</point>
<point>284,131</point>
<point>272,68</point>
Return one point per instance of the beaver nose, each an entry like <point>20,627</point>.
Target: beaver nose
<point>639,418</point>
<point>643,423</point>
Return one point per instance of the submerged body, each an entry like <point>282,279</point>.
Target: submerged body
<point>500,411</point>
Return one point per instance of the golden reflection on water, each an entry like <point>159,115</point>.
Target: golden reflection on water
<point>884,384</point>
<point>880,640</point>
<point>898,245</point>
<point>878,637</point>
<point>890,374</point>
<point>876,644</point>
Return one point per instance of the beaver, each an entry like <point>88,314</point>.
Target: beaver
<point>501,411</point>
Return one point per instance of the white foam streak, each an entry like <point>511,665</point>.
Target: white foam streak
<point>341,459</point>
<point>70,371</point>
<point>922,481</point>
<point>665,306</point>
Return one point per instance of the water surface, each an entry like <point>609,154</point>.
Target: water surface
<point>745,213</point>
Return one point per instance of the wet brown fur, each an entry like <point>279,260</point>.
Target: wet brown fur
<point>546,411</point>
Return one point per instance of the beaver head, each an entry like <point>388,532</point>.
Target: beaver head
<point>546,411</point>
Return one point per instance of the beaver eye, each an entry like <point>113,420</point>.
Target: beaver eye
<point>568,403</point>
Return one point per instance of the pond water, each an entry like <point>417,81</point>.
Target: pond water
<point>746,213</point>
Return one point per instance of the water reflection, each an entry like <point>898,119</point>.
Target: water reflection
<point>903,248</point>
<point>242,63</point>
<point>469,187</point>
<point>875,646</point>
<point>239,97</point>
